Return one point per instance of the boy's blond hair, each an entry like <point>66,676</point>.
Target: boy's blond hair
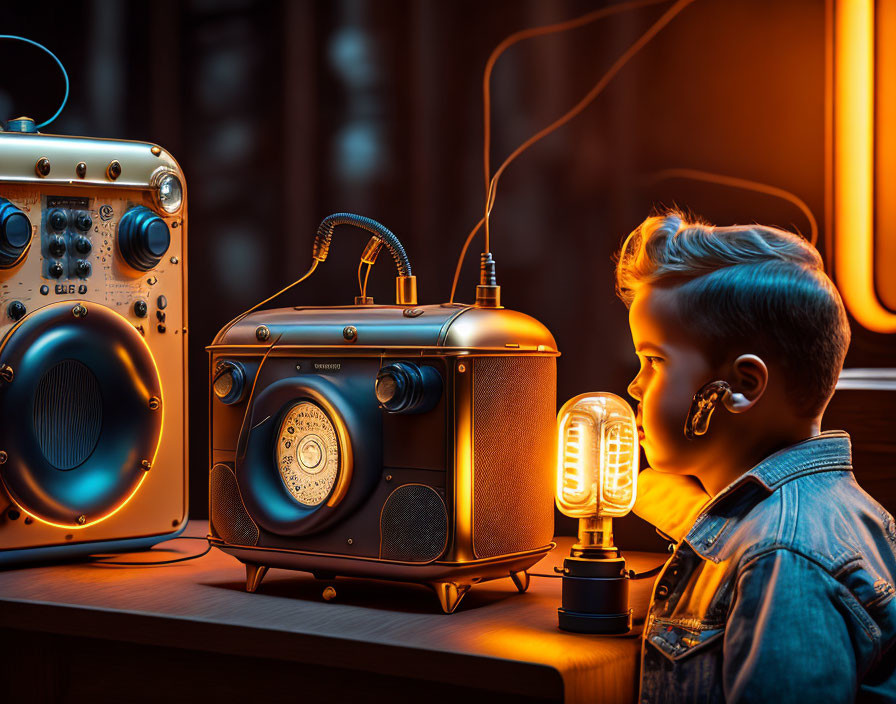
<point>745,289</point>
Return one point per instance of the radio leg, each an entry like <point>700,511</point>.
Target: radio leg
<point>254,575</point>
<point>521,580</point>
<point>450,594</point>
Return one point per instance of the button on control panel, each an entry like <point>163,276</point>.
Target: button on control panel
<point>66,238</point>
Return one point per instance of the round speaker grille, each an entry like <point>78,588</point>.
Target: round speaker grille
<point>68,414</point>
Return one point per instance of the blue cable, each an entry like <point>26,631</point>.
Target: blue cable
<point>56,59</point>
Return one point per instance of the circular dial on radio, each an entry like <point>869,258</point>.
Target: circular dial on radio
<point>308,453</point>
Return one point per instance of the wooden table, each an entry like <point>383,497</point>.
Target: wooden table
<point>189,632</point>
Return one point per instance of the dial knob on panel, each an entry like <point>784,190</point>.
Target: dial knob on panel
<point>56,270</point>
<point>83,221</point>
<point>56,246</point>
<point>58,219</point>
<point>82,245</point>
<point>229,382</point>
<point>15,232</point>
<point>16,310</point>
<point>404,387</point>
<point>82,268</point>
<point>143,238</point>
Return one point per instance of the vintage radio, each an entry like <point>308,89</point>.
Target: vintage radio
<point>399,442</point>
<point>93,350</point>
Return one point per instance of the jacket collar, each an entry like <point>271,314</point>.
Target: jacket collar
<point>829,451</point>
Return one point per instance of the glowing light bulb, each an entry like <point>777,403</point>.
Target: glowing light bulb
<point>597,465</point>
<point>597,473</point>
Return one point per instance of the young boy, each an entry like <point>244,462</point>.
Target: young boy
<point>780,588</point>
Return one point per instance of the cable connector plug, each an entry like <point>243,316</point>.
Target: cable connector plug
<point>488,293</point>
<point>321,247</point>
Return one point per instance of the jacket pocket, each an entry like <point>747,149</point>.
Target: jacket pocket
<point>679,641</point>
<point>683,662</point>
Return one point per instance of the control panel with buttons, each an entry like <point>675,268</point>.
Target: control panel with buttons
<point>65,237</point>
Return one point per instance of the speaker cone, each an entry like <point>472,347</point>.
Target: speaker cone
<point>82,410</point>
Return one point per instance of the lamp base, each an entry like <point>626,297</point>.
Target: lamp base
<point>598,624</point>
<point>595,596</point>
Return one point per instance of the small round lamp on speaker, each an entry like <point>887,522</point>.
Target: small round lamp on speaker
<point>597,472</point>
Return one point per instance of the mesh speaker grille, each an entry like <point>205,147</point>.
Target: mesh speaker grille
<point>413,524</point>
<point>229,518</point>
<point>68,414</point>
<point>514,419</point>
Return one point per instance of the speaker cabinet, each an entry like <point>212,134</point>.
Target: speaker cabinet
<point>419,448</point>
<point>92,346</point>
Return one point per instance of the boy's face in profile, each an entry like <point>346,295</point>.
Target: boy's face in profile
<point>673,368</point>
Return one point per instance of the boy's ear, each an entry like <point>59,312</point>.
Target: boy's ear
<point>748,382</point>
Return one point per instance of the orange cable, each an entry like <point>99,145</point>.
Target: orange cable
<point>734,182</point>
<point>518,37</point>
<point>492,183</point>
<point>592,94</point>
<point>233,322</point>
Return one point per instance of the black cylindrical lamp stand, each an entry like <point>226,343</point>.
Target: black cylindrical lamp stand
<point>595,593</point>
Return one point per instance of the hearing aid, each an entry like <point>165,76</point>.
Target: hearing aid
<point>704,403</point>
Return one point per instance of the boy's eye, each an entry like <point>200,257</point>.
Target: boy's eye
<point>653,361</point>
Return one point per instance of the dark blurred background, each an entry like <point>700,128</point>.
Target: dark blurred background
<point>282,112</point>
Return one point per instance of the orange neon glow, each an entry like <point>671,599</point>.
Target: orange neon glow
<point>77,526</point>
<point>597,462</point>
<point>854,163</point>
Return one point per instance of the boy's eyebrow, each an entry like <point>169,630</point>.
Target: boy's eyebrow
<point>649,347</point>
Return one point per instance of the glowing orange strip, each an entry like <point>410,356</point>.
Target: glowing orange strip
<point>854,163</point>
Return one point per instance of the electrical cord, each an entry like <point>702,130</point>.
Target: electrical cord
<point>324,237</point>
<point>362,282</point>
<point>631,574</point>
<point>58,63</point>
<point>267,300</point>
<point>734,182</point>
<point>644,575</point>
<point>364,286</point>
<point>103,561</point>
<point>515,38</point>
<point>492,182</point>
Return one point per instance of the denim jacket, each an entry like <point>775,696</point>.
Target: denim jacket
<point>782,590</point>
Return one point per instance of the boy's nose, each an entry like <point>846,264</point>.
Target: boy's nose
<point>634,390</point>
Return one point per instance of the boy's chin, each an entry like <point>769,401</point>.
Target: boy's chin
<point>664,464</point>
